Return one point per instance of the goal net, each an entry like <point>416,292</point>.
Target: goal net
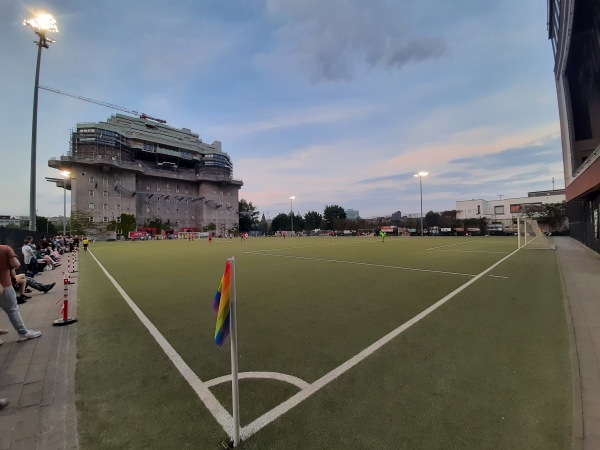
<point>533,238</point>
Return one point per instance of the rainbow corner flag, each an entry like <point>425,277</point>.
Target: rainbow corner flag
<point>221,306</point>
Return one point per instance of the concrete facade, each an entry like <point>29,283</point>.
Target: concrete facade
<point>505,210</point>
<point>150,170</point>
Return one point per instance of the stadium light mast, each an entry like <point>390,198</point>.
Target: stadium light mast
<point>41,24</point>
<point>420,176</point>
<point>67,175</point>
<point>291,199</point>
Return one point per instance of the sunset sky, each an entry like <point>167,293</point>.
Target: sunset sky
<point>337,102</point>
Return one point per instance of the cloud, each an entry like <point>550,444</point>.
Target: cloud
<point>334,39</point>
<point>543,151</point>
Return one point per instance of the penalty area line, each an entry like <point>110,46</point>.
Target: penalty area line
<point>302,395</point>
<point>340,261</point>
<point>210,401</point>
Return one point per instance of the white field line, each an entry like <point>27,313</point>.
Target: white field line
<point>311,246</point>
<point>212,404</point>
<point>298,382</point>
<point>449,245</point>
<point>360,263</point>
<point>302,395</point>
<point>468,251</point>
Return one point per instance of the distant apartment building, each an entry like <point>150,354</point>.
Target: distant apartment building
<point>7,221</point>
<point>505,210</point>
<point>352,214</point>
<point>145,168</point>
<point>397,216</point>
<point>574,31</point>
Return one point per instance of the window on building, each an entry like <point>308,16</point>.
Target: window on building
<point>119,231</point>
<point>168,211</point>
<point>105,206</point>
<point>515,209</point>
<point>118,182</point>
<point>91,219</point>
<point>177,211</point>
<point>105,219</point>
<point>104,193</point>
<point>193,217</point>
<point>91,192</point>
<point>168,188</point>
<point>157,187</point>
<point>498,210</point>
<point>186,191</point>
<point>187,211</point>
<point>158,199</point>
<point>92,179</point>
<point>157,210</point>
<point>118,207</point>
<point>118,219</point>
<point>147,209</point>
<point>168,200</point>
<point>90,206</point>
<point>105,181</point>
<point>177,189</point>
<point>147,188</point>
<point>119,195</point>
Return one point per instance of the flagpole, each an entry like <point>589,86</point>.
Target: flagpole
<point>235,393</point>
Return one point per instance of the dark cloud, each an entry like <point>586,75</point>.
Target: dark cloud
<point>334,39</point>
<point>544,152</point>
<point>396,177</point>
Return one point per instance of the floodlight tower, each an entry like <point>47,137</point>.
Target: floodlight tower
<point>67,175</point>
<point>41,24</point>
<point>420,176</point>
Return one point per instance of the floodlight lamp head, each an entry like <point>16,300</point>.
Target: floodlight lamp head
<point>65,173</point>
<point>42,23</point>
<point>293,197</point>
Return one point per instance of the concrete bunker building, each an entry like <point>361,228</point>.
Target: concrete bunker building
<point>143,167</point>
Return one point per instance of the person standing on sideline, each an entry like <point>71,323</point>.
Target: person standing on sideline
<point>8,296</point>
<point>85,244</point>
<point>382,234</point>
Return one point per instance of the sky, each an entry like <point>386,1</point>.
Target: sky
<point>335,102</point>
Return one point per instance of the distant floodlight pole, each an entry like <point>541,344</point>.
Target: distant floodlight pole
<point>66,174</point>
<point>292,210</point>
<point>41,25</point>
<point>420,175</point>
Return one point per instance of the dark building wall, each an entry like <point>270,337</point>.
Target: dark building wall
<point>577,49</point>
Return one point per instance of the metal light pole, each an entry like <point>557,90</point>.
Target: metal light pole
<point>41,24</point>
<point>420,175</point>
<point>65,174</point>
<point>292,210</point>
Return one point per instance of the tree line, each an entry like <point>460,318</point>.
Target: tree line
<point>334,218</point>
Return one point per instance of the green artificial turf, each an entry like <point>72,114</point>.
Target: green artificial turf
<point>489,369</point>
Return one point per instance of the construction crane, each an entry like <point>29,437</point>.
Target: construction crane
<point>108,105</point>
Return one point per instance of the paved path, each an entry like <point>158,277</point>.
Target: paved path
<point>37,376</point>
<point>580,269</point>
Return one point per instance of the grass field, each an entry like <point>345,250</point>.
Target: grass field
<point>488,367</point>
